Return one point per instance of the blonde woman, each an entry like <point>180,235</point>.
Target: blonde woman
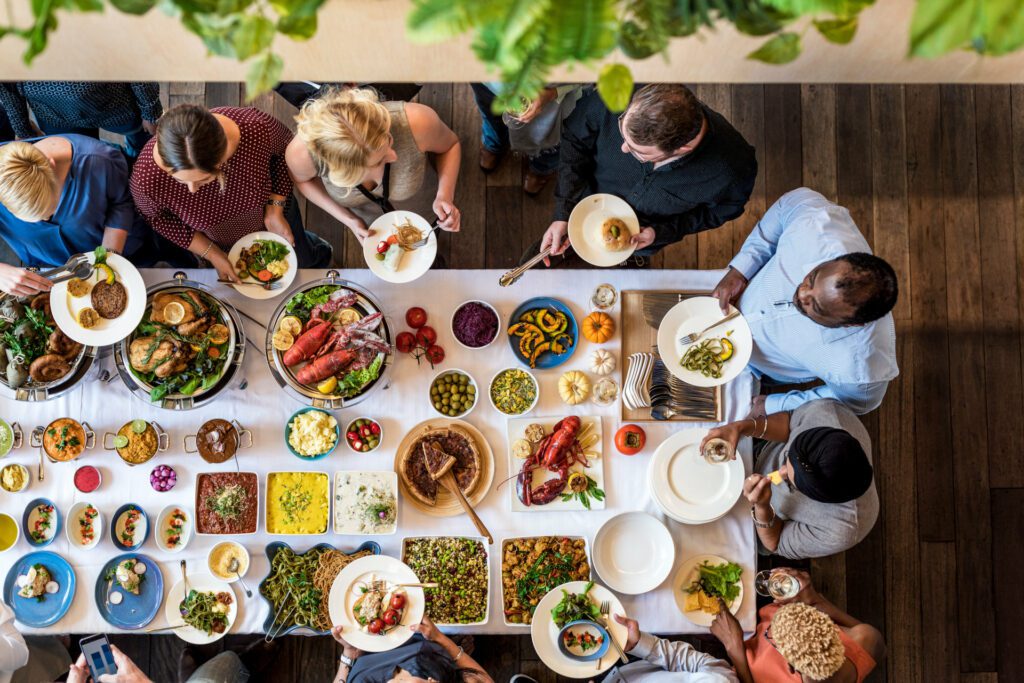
<point>357,157</point>
<point>61,195</point>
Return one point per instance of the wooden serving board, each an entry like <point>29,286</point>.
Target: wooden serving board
<point>639,337</point>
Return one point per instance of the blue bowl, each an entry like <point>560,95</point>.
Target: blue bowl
<point>135,611</point>
<point>113,527</point>
<point>52,608</point>
<point>581,626</point>
<point>27,531</point>
<point>273,548</point>
<point>547,359</point>
<point>288,433</point>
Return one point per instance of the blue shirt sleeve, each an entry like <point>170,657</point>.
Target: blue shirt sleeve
<point>105,171</point>
<point>860,398</point>
<point>763,240</point>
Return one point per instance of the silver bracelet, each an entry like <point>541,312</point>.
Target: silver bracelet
<point>763,525</point>
<point>208,248</point>
<point>456,657</point>
<point>764,430</point>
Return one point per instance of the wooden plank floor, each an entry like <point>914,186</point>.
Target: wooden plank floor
<point>934,176</point>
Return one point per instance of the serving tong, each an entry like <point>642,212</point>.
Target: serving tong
<point>512,276</point>
<point>78,266</point>
<point>276,629</point>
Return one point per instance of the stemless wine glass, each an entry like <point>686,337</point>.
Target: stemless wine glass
<point>776,584</point>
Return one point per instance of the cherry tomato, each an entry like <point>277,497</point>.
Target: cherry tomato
<point>426,335</point>
<point>382,246</point>
<point>630,439</point>
<point>415,317</point>
<point>435,354</point>
<point>405,341</point>
<point>398,601</point>
<point>390,617</point>
<point>375,626</point>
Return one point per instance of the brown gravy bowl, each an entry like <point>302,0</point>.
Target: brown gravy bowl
<point>217,441</point>
<point>64,439</point>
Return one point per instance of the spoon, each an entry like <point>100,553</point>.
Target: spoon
<point>233,567</point>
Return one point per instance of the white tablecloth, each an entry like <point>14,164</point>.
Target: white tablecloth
<point>264,408</point>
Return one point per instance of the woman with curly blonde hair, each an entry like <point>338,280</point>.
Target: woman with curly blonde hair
<point>357,157</point>
<point>806,639</point>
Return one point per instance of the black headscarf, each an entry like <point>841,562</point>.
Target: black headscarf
<point>829,465</point>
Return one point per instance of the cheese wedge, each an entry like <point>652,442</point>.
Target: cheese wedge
<point>775,477</point>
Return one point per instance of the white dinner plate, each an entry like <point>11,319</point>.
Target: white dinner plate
<point>693,315</point>
<point>686,575</point>
<point>65,307</point>
<point>414,263</point>
<point>585,223</point>
<point>201,583</point>
<point>686,487</point>
<point>343,596</point>
<point>544,633</point>
<point>633,553</point>
<point>285,281</point>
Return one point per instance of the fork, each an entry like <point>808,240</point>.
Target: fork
<point>606,609</point>
<point>423,241</point>
<point>265,285</point>
<point>694,336</point>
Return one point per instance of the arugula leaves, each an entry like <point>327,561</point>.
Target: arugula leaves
<point>718,580</point>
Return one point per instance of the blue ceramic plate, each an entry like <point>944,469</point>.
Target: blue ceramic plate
<point>135,611</point>
<point>579,627</point>
<point>52,608</point>
<point>115,534</point>
<point>288,434</point>
<point>26,527</point>
<point>547,359</point>
<point>273,549</point>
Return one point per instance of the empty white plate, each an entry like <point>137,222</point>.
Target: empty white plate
<point>633,553</point>
<point>686,487</point>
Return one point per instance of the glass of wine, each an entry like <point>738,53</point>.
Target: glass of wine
<point>773,583</point>
<point>717,451</point>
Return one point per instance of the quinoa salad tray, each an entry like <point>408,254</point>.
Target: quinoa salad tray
<point>460,565</point>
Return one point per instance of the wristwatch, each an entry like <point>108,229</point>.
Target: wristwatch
<point>347,661</point>
<point>277,202</point>
<point>759,524</point>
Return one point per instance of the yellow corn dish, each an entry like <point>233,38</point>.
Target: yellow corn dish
<point>297,502</point>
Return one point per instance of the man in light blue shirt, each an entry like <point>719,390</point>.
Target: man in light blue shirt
<point>818,305</point>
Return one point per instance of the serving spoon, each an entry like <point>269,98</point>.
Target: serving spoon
<point>233,568</point>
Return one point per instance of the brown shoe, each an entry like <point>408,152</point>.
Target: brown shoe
<point>533,183</point>
<point>489,160</point>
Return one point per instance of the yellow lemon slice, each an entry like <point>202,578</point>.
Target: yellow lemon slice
<point>291,325</point>
<point>218,334</point>
<point>328,386</point>
<point>282,341</point>
<point>349,315</point>
<point>174,313</point>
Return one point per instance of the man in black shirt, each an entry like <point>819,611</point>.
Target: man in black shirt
<point>681,166</point>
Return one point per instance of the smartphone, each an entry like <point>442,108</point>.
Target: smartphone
<point>98,655</point>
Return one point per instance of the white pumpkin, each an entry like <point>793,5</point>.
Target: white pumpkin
<point>602,362</point>
<point>574,387</point>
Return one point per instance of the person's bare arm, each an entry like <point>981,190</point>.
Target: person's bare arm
<point>309,184</point>
<point>433,135</point>
<point>114,239</point>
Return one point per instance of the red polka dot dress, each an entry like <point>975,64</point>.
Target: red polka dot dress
<point>256,170</point>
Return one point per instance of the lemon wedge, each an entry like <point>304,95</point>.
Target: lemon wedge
<point>328,386</point>
<point>174,313</point>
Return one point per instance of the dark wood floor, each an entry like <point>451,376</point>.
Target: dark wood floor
<point>934,176</point>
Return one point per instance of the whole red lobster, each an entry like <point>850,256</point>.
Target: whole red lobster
<point>557,452</point>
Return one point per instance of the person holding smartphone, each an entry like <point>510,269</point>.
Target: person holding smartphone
<point>226,667</point>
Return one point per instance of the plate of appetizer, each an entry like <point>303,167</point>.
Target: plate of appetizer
<point>543,332</point>
<point>714,359</point>
<point>633,553</point>
<point>40,588</point>
<point>174,528</point>
<point>474,469</point>
<point>129,591</point>
<point>260,258</point>
<point>700,581</point>
<point>559,463</point>
<point>687,487</point>
<point>387,249</point>
<point>298,503</point>
<point>531,566</point>
<point>303,580</point>
<point>565,604</point>
<point>40,522</point>
<point>84,526</point>
<point>460,567</point>
<point>600,228</point>
<point>129,527</point>
<point>205,613</point>
<point>366,503</point>
<point>368,600</point>
<point>103,308</point>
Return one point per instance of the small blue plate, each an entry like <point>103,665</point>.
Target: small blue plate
<point>113,527</point>
<point>275,547</point>
<point>547,359</point>
<point>135,611</point>
<point>581,625</point>
<point>288,433</point>
<point>27,531</point>
<point>37,613</point>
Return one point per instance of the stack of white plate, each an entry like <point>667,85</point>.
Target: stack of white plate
<point>686,487</point>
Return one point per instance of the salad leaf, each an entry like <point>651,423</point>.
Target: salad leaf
<point>575,607</point>
<point>303,303</point>
<point>353,382</point>
<point>718,580</point>
<point>100,254</point>
<point>271,250</point>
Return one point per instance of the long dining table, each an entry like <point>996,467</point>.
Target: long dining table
<point>264,408</point>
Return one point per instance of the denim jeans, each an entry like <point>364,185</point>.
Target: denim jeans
<point>135,136</point>
<point>494,132</point>
<point>224,668</point>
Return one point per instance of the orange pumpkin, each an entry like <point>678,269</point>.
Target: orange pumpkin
<point>598,327</point>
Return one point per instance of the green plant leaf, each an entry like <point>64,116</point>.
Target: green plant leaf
<point>760,21</point>
<point>800,7</point>
<point>994,27</point>
<point>137,7</point>
<point>838,31</point>
<point>782,49</point>
<point>88,5</point>
<point>297,27</point>
<point>215,32</point>
<point>615,85</point>
<point>580,30</point>
<point>434,20</point>
<point>264,73</point>
<point>253,35</point>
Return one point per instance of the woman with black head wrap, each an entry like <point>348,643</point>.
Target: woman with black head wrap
<point>811,491</point>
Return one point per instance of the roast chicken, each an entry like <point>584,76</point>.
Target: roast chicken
<point>170,357</point>
<point>197,316</point>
